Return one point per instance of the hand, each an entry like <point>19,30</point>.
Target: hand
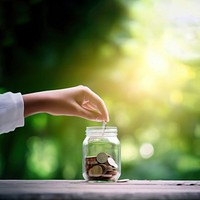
<point>77,101</point>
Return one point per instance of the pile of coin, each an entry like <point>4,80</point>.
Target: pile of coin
<point>101,167</point>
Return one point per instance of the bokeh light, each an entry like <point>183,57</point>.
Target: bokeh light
<point>146,150</point>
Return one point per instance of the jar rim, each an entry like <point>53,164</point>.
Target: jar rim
<point>100,131</point>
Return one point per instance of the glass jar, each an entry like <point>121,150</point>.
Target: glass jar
<point>101,154</point>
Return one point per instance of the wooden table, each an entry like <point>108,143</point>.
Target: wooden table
<point>79,189</point>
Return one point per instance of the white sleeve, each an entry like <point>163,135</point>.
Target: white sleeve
<point>11,111</point>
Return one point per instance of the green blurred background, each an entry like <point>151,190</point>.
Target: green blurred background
<point>141,56</point>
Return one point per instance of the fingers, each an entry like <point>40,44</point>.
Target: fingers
<point>101,108</point>
<point>92,115</point>
<point>95,105</point>
<point>90,107</point>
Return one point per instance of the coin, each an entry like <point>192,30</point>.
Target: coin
<point>102,157</point>
<point>91,160</point>
<point>112,162</point>
<point>104,168</point>
<point>107,175</point>
<point>95,171</point>
<point>109,168</point>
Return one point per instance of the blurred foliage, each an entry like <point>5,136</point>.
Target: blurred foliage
<point>141,56</point>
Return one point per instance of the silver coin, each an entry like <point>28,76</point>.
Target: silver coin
<point>102,157</point>
<point>112,162</point>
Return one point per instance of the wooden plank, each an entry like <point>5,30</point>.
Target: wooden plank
<point>79,189</point>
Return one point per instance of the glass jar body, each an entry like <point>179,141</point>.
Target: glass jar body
<point>101,154</point>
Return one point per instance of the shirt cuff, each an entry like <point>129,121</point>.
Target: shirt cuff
<point>12,112</point>
<point>19,109</point>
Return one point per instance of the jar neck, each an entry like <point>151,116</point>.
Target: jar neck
<point>100,131</point>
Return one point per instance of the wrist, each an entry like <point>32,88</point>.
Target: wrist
<point>35,103</point>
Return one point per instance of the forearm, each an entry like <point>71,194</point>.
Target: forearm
<point>36,103</point>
